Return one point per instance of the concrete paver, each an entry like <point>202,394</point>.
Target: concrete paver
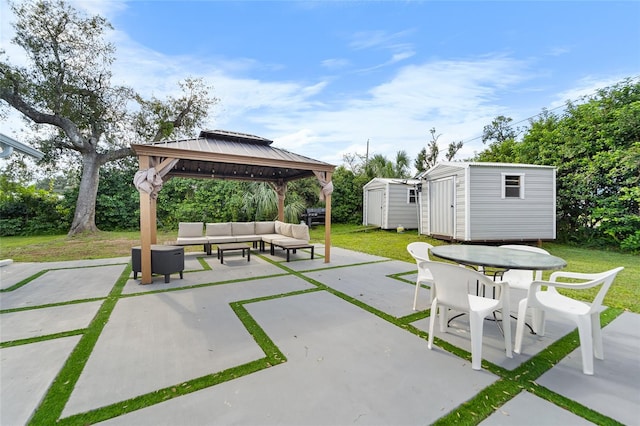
<point>63,285</point>
<point>344,364</point>
<point>26,374</point>
<point>614,389</point>
<point>41,322</point>
<point>159,340</point>
<point>527,409</point>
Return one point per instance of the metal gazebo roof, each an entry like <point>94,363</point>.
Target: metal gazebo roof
<point>222,154</point>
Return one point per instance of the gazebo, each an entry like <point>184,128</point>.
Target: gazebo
<point>220,154</point>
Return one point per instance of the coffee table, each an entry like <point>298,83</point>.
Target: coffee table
<point>233,246</point>
<point>289,245</point>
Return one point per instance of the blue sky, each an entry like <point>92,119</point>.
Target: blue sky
<point>322,78</point>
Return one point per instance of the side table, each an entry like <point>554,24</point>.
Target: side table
<point>165,260</point>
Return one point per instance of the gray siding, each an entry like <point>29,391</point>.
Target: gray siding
<point>481,214</point>
<point>395,210</point>
<point>460,201</point>
<point>399,211</point>
<point>495,218</point>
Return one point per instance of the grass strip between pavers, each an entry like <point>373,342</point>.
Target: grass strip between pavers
<point>485,403</point>
<point>204,263</point>
<point>42,338</point>
<point>513,382</point>
<point>273,357</point>
<point>44,271</point>
<point>58,394</point>
<point>510,383</point>
<point>51,305</point>
<point>25,281</point>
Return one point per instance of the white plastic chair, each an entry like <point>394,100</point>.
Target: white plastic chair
<point>585,315</point>
<point>520,279</point>
<point>452,285</point>
<point>420,252</point>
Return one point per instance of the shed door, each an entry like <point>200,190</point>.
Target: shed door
<point>442,207</point>
<point>374,207</point>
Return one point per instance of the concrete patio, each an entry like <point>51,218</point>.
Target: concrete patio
<point>356,353</point>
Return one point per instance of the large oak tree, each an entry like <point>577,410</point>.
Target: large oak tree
<point>66,88</point>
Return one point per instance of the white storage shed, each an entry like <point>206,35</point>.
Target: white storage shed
<point>489,202</point>
<point>389,203</point>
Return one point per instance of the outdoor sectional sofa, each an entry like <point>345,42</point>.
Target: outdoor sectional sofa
<point>288,236</point>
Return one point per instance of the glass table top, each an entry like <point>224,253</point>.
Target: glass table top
<point>498,257</point>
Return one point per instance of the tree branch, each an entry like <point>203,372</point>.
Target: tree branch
<point>13,98</point>
<point>115,155</point>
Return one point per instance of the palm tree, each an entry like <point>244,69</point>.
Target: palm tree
<point>260,202</point>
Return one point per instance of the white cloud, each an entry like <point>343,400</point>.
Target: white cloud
<point>335,63</point>
<point>586,86</point>
<point>379,39</point>
<point>456,96</point>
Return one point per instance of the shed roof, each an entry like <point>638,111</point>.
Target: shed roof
<point>471,164</point>
<point>223,154</point>
<point>391,181</point>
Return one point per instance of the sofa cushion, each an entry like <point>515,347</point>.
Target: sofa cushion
<point>247,238</point>
<point>243,228</point>
<point>188,241</point>
<point>221,239</point>
<point>286,229</point>
<point>218,229</point>
<point>265,227</point>
<point>290,242</point>
<point>300,232</point>
<point>190,229</point>
<point>268,238</point>
<point>278,226</point>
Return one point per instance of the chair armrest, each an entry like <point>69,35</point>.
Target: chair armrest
<point>569,274</point>
<point>536,284</point>
<point>502,285</point>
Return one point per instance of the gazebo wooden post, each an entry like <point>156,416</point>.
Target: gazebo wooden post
<point>145,227</point>
<point>153,222</point>
<point>327,224</point>
<point>281,191</point>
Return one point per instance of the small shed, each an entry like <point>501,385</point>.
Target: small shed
<point>389,203</point>
<point>466,201</point>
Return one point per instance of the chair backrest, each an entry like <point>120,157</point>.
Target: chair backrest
<point>522,277</point>
<point>604,279</point>
<point>419,251</point>
<point>453,283</point>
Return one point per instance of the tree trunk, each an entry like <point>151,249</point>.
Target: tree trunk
<point>84,219</point>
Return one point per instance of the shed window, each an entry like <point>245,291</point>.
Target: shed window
<point>512,186</point>
<point>412,196</point>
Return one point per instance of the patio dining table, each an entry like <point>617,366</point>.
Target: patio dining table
<point>501,258</point>
<point>497,257</point>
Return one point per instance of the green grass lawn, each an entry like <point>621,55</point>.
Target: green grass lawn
<point>625,293</point>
